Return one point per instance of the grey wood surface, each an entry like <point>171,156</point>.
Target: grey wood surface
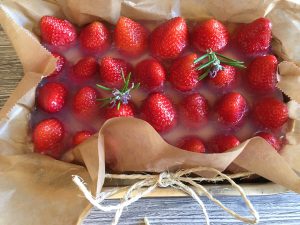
<point>273,209</point>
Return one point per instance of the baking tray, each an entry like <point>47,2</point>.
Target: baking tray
<point>259,186</point>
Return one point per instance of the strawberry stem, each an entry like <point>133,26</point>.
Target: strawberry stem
<point>213,64</point>
<point>121,96</point>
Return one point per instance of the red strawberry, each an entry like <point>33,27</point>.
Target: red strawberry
<point>225,78</point>
<point>254,38</point>
<point>271,139</point>
<point>130,37</point>
<point>85,102</point>
<point>85,68</point>
<point>57,32</point>
<point>192,144</point>
<point>94,38</point>
<point>52,97</point>
<point>231,109</point>
<point>159,111</point>
<point>194,110</point>
<point>261,74</point>
<point>48,136</point>
<point>210,34</point>
<point>61,61</point>
<point>110,71</point>
<point>81,136</point>
<point>183,73</point>
<point>222,143</point>
<point>150,74</point>
<point>169,39</point>
<point>270,112</point>
<point>125,110</point>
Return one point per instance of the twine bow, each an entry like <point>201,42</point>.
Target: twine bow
<point>178,180</point>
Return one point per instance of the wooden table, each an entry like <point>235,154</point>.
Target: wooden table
<point>273,209</point>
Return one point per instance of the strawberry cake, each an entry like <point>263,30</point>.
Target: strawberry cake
<point>205,87</point>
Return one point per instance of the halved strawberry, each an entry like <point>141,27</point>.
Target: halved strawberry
<point>150,74</point>
<point>111,71</point>
<point>85,102</point>
<point>48,137</point>
<point>210,34</point>
<point>85,68</point>
<point>271,139</point>
<point>270,112</point>
<point>231,109</point>
<point>125,110</point>
<point>159,111</point>
<point>52,97</point>
<point>224,78</point>
<point>81,136</point>
<point>222,143</point>
<point>169,39</point>
<point>194,110</point>
<point>61,61</point>
<point>183,73</point>
<point>192,144</point>
<point>254,38</point>
<point>130,37</point>
<point>261,74</point>
<point>57,32</point>
<point>94,38</point>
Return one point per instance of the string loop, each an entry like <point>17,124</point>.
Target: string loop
<point>178,180</point>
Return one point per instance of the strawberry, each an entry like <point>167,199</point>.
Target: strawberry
<point>52,97</point>
<point>224,78</point>
<point>125,110</point>
<point>81,136</point>
<point>270,112</point>
<point>150,74</point>
<point>130,37</point>
<point>194,110</point>
<point>210,34</point>
<point>61,61</point>
<point>169,39</point>
<point>85,102</point>
<point>254,38</point>
<point>119,104</point>
<point>192,144</point>
<point>222,143</point>
<point>271,139</point>
<point>159,111</point>
<point>231,109</point>
<point>183,73</point>
<point>261,74</point>
<point>85,68</point>
<point>111,71</point>
<point>57,32</point>
<point>94,38</point>
<point>48,136</point>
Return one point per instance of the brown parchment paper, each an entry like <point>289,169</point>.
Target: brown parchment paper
<point>36,189</point>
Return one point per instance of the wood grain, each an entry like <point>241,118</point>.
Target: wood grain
<point>11,70</point>
<point>273,209</point>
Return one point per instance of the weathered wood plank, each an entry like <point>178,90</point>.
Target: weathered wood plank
<point>10,68</point>
<point>274,209</point>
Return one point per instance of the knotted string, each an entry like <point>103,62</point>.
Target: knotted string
<point>178,180</point>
